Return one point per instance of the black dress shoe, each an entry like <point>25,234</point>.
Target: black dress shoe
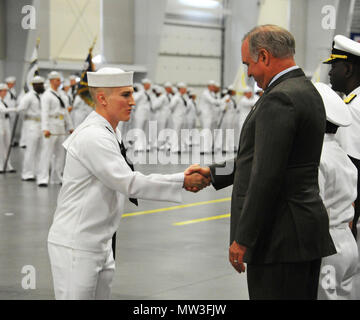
<point>12,171</point>
<point>2,172</point>
<point>42,185</point>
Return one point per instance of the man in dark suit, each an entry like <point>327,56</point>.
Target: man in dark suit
<point>279,225</point>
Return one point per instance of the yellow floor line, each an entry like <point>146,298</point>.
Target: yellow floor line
<point>223,216</point>
<point>125,215</point>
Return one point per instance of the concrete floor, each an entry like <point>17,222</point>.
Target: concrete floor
<point>155,260</point>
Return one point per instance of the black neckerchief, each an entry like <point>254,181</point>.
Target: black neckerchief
<point>60,100</point>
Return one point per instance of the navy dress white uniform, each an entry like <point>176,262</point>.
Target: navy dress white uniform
<point>55,118</point>
<point>30,108</point>
<point>178,107</point>
<point>337,184</point>
<point>5,130</point>
<point>142,117</point>
<point>96,183</point>
<point>207,105</point>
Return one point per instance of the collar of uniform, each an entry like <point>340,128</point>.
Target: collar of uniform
<point>107,124</point>
<point>55,91</point>
<point>356,91</point>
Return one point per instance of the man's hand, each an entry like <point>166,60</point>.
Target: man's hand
<point>71,131</point>
<point>195,182</point>
<point>70,108</point>
<point>47,133</point>
<point>196,169</point>
<point>236,254</point>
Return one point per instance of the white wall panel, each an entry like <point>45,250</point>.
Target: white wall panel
<point>193,71</point>
<point>190,40</point>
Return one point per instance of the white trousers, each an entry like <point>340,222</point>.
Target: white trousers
<point>81,275</point>
<point>5,137</point>
<point>52,154</point>
<point>337,271</point>
<point>355,294</point>
<point>33,147</point>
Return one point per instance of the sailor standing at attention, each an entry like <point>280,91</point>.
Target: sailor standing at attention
<point>55,123</point>
<point>30,107</point>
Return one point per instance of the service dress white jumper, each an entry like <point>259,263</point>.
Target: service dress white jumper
<point>96,183</point>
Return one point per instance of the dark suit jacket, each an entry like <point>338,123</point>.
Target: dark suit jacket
<point>276,210</point>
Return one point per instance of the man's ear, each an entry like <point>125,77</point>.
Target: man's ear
<point>264,57</point>
<point>349,70</point>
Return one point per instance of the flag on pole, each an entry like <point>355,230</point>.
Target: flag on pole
<point>83,89</point>
<point>33,69</point>
<point>240,82</point>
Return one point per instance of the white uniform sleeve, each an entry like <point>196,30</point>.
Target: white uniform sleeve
<point>24,104</point>
<point>45,107</point>
<point>100,154</point>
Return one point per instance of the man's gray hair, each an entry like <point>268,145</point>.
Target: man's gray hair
<point>276,40</point>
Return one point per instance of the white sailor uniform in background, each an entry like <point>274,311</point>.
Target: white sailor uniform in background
<point>178,107</point>
<point>5,134</point>
<point>80,111</point>
<point>207,105</point>
<point>55,118</point>
<point>244,108</point>
<point>228,107</point>
<point>96,183</point>
<point>30,107</point>
<point>337,183</point>
<point>348,139</point>
<point>162,112</point>
<point>141,119</point>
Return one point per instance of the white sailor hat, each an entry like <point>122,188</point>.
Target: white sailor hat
<point>158,89</point>
<point>110,78</point>
<point>10,79</point>
<point>344,48</point>
<point>181,85</point>
<point>231,88</point>
<point>54,75</point>
<point>146,80</point>
<point>167,84</point>
<point>216,84</point>
<point>66,83</point>
<point>37,79</point>
<point>72,77</point>
<point>3,86</point>
<point>211,83</point>
<point>335,108</point>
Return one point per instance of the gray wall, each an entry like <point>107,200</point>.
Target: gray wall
<point>118,31</point>
<point>16,38</point>
<point>243,17</point>
<point>149,19</point>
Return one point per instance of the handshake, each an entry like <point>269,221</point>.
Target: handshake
<point>196,178</point>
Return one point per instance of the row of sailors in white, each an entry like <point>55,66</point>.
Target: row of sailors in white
<point>47,121</point>
<point>176,108</point>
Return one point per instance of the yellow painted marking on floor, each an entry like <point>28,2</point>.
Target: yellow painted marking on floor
<point>125,215</point>
<point>222,216</point>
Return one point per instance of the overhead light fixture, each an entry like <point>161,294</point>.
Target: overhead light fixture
<point>208,4</point>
